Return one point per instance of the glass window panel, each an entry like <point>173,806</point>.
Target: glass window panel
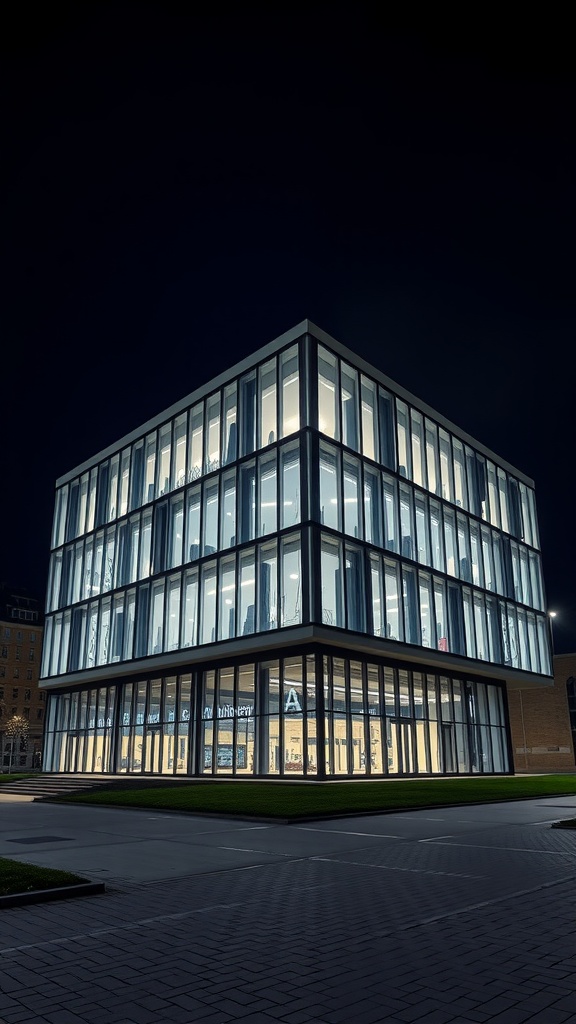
<point>164,455</point>
<point>476,554</point>
<point>404,694</point>
<point>267,581</point>
<point>228,510</point>
<point>376,589</point>
<point>536,580</point>
<point>493,501</point>
<point>247,612</point>
<point>418,448</point>
<point>210,518</point>
<point>290,484</point>
<point>117,629</point>
<point>497,560</point>
<point>450,542</point>
<point>503,493</point>
<point>193,524</point>
<point>459,473</point>
<point>267,403</point>
<point>394,625</point>
<point>230,432</point>
<point>247,501</point>
<point>102,494</point>
<point>330,499</point>
<point>355,590</point>
<point>176,534</point>
<point>145,542</point>
<point>108,564</point>
<point>481,631</point>
<point>156,637</point>
<point>432,458</point>
<point>57,577</point>
<point>390,691</point>
<point>391,526</point>
<point>289,391</point>
<point>267,518</point>
<point>422,522</point>
<point>352,517</point>
<point>97,564</point>
<point>349,392</point>
<point>227,612</point>
<point>328,420</point>
<point>173,614</point>
<point>90,637</point>
<point>190,610</point>
<point>387,429</point>
<point>446,466</point>
<point>526,596</point>
<point>533,642</point>
<point>372,506</point>
<point>402,425</point>
<point>208,612</point>
<point>465,568</point>
<point>533,520</point>
<point>248,413</point>
<point>523,638</point>
<point>469,622</point>
<point>472,480</point>
<point>427,622</point>
<point>195,447</point>
<point>72,523</point>
<point>406,522</point>
<point>411,605</point>
<point>332,588</point>
<point>150,468</point>
<point>270,687</point>
<point>78,561</point>
<point>436,535</point>
<point>179,461</point>
<point>65,641</point>
<point>113,488</point>
<point>160,531</point>
<point>441,620</point>
<point>369,418</point>
<point>212,434</point>
<point>291,605</point>
<point>82,504</point>
<point>310,683</point>
<point>128,635</point>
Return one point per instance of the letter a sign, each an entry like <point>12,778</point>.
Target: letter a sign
<point>292,702</point>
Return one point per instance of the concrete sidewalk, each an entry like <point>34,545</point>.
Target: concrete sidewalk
<point>460,914</point>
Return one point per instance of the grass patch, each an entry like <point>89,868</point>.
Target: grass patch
<point>273,800</point>
<point>15,777</point>
<point>16,877</point>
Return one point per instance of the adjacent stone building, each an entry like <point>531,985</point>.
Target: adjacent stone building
<point>543,721</point>
<point>21,630</point>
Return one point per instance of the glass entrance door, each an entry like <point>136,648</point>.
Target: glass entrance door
<point>153,741</point>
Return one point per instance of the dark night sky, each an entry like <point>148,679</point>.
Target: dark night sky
<point>178,190</point>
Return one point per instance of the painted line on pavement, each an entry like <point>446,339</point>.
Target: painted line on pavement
<point>343,832</point>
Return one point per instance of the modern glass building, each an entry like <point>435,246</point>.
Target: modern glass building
<point>300,570</point>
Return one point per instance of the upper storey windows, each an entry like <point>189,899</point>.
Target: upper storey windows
<point>363,416</point>
<point>259,408</point>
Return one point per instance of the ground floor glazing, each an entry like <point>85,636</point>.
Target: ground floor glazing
<point>308,714</point>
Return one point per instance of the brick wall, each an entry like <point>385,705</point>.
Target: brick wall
<point>540,723</point>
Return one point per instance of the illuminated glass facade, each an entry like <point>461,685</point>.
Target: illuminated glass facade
<point>301,569</point>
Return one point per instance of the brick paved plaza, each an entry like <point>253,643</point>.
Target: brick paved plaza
<point>462,914</point>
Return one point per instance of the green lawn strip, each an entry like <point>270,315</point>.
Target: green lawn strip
<point>16,877</point>
<point>293,801</point>
<point>16,777</point>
